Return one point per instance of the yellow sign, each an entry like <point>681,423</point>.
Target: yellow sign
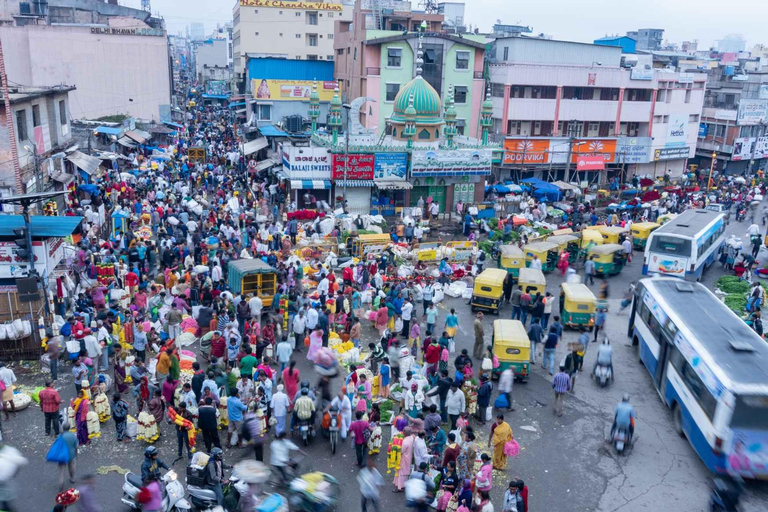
<point>290,90</point>
<point>309,6</point>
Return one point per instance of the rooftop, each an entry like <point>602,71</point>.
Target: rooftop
<point>24,94</point>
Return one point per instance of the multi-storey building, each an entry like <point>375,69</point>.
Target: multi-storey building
<point>561,106</point>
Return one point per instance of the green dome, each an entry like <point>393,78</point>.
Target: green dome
<point>426,102</point>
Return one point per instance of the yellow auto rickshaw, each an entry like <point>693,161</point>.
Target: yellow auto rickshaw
<point>564,231</point>
<point>512,259</point>
<point>545,251</point>
<point>577,305</point>
<point>532,281</point>
<point>363,245</point>
<point>613,234</point>
<point>609,259</point>
<point>511,347</point>
<point>663,219</point>
<point>640,233</point>
<point>248,276</point>
<point>489,288</point>
<point>568,243</point>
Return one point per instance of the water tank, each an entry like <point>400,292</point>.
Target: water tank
<point>294,124</point>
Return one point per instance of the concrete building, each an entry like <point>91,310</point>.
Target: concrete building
<point>116,57</point>
<point>454,22</point>
<point>376,63</point>
<point>648,38</point>
<point>212,61</point>
<point>292,30</point>
<point>197,31</point>
<point>42,132</point>
<point>557,104</point>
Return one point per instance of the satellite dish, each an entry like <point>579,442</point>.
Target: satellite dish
<point>355,128</point>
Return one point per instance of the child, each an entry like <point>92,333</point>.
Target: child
<point>444,357</point>
<point>232,350</point>
<point>463,421</point>
<point>384,372</point>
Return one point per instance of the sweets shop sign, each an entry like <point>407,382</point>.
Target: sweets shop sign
<point>457,162</point>
<point>287,4</point>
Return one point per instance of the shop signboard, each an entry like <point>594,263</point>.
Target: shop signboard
<point>456,162</point>
<point>703,130</point>
<point>633,150</point>
<point>526,151</point>
<point>594,147</point>
<point>685,78</point>
<point>291,90</point>
<point>743,148</point>
<point>284,4</point>
<point>217,87</point>
<point>47,253</point>
<point>641,73</point>
<point>590,163</point>
<point>359,167</point>
<point>677,130</point>
<point>761,148</point>
<point>752,112</point>
<point>306,163</point>
<point>662,154</point>
<point>390,166</point>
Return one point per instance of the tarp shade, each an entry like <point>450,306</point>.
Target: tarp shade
<point>255,145</point>
<point>87,163</point>
<point>136,136</point>
<point>40,226</point>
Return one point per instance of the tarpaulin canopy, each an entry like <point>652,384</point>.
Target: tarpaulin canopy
<point>108,130</point>
<point>175,125</point>
<point>394,185</point>
<point>565,186</point>
<point>272,131</point>
<point>546,191</point>
<point>354,183</point>
<point>40,226</point>
<point>310,184</point>
<point>255,145</point>
<point>265,164</point>
<point>533,181</point>
<point>87,163</point>
<point>136,136</point>
<point>125,141</point>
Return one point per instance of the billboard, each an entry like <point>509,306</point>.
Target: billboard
<point>743,148</point>
<point>309,6</point>
<point>217,87</point>
<point>752,112</point>
<point>594,147</point>
<point>633,150</point>
<point>662,154</point>
<point>457,162</point>
<point>390,166</point>
<point>641,73</point>
<point>677,130</point>
<point>761,148</point>
<point>290,90</point>
<point>359,167</point>
<point>526,151</point>
<point>306,163</point>
<point>703,130</point>
<point>590,163</point>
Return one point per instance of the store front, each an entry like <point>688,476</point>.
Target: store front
<point>309,193</point>
<point>357,194</point>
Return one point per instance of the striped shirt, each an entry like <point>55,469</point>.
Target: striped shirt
<point>561,382</point>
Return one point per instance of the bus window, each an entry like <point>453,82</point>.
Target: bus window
<point>751,412</point>
<point>671,245</point>
<point>695,385</point>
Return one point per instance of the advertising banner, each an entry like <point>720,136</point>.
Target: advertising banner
<point>662,154</point>
<point>752,112</point>
<point>308,6</point>
<point>525,151</point>
<point>47,253</point>
<point>594,147</point>
<point>633,150</point>
<point>641,74</point>
<point>761,148</point>
<point>469,162</point>
<point>306,163</point>
<point>677,130</point>
<point>217,87</point>
<point>359,167</point>
<point>390,166</point>
<point>290,90</point>
<point>703,130</point>
<point>743,148</point>
<point>590,163</point>
<point>668,265</point>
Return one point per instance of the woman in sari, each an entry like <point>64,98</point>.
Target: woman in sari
<point>120,358</point>
<point>175,369</point>
<point>501,434</point>
<point>465,462</point>
<point>80,406</point>
<point>357,304</point>
<point>382,318</point>
<point>291,380</point>
<point>406,460</point>
<point>315,342</point>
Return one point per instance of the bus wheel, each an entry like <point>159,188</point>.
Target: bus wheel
<point>677,415</point>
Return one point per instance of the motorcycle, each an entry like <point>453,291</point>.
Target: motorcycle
<point>173,499</point>
<point>725,494</point>
<point>307,430</point>
<point>603,375</point>
<point>621,439</point>
<point>333,429</point>
<point>740,214</point>
<point>496,250</point>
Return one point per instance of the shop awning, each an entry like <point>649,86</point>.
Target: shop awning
<point>62,177</point>
<point>135,135</point>
<point>394,185</point>
<point>87,163</point>
<point>108,130</point>
<point>41,226</point>
<point>311,184</point>
<point>354,183</point>
<point>255,145</point>
<point>272,131</point>
<point>125,141</point>
<point>175,125</point>
<point>237,104</point>
<point>265,164</point>
<point>565,186</point>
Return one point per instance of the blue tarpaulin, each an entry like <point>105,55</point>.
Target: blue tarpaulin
<point>215,96</point>
<point>272,131</point>
<point>107,130</point>
<point>238,104</point>
<point>175,125</point>
<point>40,226</point>
<point>89,189</point>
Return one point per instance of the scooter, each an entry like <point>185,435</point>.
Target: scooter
<point>333,429</point>
<point>621,439</point>
<point>173,499</point>
<point>603,375</point>
<point>307,430</point>
<point>204,499</point>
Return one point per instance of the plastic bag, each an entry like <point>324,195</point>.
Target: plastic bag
<point>3,332</point>
<point>511,448</point>
<point>501,402</point>
<point>451,346</point>
<point>58,452</point>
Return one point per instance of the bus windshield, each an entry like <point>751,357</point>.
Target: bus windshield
<point>671,245</point>
<point>751,412</point>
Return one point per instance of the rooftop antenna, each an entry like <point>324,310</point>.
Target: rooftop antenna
<point>429,6</point>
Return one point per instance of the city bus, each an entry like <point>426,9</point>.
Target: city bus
<point>709,368</point>
<point>686,245</point>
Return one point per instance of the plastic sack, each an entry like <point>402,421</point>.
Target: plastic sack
<point>467,293</point>
<point>131,428</point>
<point>456,289</point>
<point>501,402</point>
<point>36,394</point>
<point>18,326</point>
<point>58,452</point>
<point>3,332</point>
<point>511,448</point>
<point>27,328</point>
<point>173,221</point>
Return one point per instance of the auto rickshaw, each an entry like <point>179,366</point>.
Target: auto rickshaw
<point>532,281</point>
<point>577,305</point>
<point>663,219</point>
<point>511,347</point>
<point>489,288</point>
<point>612,234</point>
<point>640,233</point>
<point>512,259</point>
<point>546,252</point>
<point>569,243</point>
<point>609,259</point>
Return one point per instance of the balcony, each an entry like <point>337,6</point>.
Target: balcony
<point>373,71</point>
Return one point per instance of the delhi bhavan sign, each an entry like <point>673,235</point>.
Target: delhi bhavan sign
<point>136,31</point>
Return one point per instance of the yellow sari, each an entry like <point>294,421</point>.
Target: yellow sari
<point>502,434</point>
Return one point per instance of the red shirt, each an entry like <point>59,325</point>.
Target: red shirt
<point>358,428</point>
<point>218,346</point>
<point>49,400</point>
<point>132,279</point>
<point>432,355</point>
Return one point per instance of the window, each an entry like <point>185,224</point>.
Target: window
<point>330,36</point>
<point>330,15</point>
<point>462,60</point>
<point>311,18</point>
<point>460,94</point>
<point>340,51</point>
<point>312,39</point>
<point>719,130</point>
<point>394,57</point>
<point>751,412</point>
<point>497,90</point>
<point>506,53</point>
<point>298,14</point>
<point>693,118</point>
<point>35,115</point>
<point>264,112</point>
<point>62,112</point>
<point>311,57</point>
<point>298,36</point>
<point>661,96</point>
<point>687,96</point>
<point>392,90</point>
<point>461,124</point>
<point>693,382</point>
<point>424,134</point>
<point>329,57</point>
<point>21,125</point>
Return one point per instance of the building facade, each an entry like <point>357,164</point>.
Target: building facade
<point>648,38</point>
<point>292,30</point>
<point>212,61</point>
<point>570,111</point>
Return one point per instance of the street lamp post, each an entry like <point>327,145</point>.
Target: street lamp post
<point>38,180</point>
<point>711,168</point>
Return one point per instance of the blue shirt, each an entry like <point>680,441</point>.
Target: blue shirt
<point>232,351</point>
<point>431,315</point>
<point>451,321</point>
<point>384,372</point>
<point>235,409</point>
<point>561,383</point>
<point>624,412</point>
<point>139,339</point>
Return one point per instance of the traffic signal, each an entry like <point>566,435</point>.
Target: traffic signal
<point>24,250</point>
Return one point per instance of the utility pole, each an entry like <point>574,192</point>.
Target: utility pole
<point>346,107</point>
<point>10,126</point>
<point>711,168</point>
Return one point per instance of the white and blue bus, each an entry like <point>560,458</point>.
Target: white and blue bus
<point>686,245</point>
<point>710,368</point>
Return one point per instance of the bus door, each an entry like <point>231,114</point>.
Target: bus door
<point>665,351</point>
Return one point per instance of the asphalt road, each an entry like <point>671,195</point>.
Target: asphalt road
<point>565,461</point>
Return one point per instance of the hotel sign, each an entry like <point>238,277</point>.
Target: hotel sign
<point>284,4</point>
<point>135,31</point>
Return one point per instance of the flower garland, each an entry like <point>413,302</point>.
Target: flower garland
<point>147,428</point>
<point>394,452</point>
<point>181,422</point>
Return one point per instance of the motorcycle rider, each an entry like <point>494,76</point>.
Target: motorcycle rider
<point>152,465</point>
<point>304,385</point>
<point>280,456</point>
<point>304,408</point>
<point>604,356</point>
<point>624,417</point>
<point>214,474</point>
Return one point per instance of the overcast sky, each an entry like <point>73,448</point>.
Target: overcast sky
<point>585,20</point>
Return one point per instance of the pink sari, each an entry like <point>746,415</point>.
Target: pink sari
<point>315,342</point>
<point>406,459</point>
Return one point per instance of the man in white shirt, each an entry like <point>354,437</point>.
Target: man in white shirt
<point>406,311</point>
<point>299,329</point>
<point>536,263</point>
<point>312,315</point>
<point>103,337</point>
<point>280,454</point>
<point>256,305</point>
<point>322,289</point>
<point>92,347</point>
<point>279,405</point>
<point>342,404</point>
<point>216,274</point>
